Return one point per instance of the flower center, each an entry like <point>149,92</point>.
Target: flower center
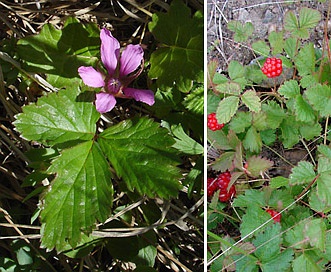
<point>113,85</point>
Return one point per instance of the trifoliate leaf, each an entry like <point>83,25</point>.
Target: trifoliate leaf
<point>261,48</point>
<point>303,173</point>
<point>257,165</point>
<point>141,154</point>
<point>320,97</point>
<point>59,53</point>
<point>252,140</point>
<point>184,143</point>
<point>181,52</point>
<point>251,100</point>
<point>242,31</point>
<point>58,118</point>
<point>226,109</point>
<point>78,197</point>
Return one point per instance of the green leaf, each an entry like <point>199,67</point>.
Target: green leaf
<point>278,182</point>
<point>236,70</point>
<point>290,47</point>
<point>315,231</point>
<point>58,118</point>
<point>79,195</point>
<point>140,152</point>
<point>290,133</point>
<point>252,220</point>
<point>309,132</point>
<point>250,196</point>
<point>252,140</point>
<point>305,60</point>
<point>280,262</point>
<point>303,110</point>
<point>275,114</point>
<point>226,109</point>
<point>181,52</point>
<point>257,165</point>
<point>59,53</point>
<point>320,97</point>
<point>320,199</point>
<point>251,100</point>
<point>184,143</point>
<point>242,31</point>
<point>241,121</point>
<point>261,48</point>
<point>307,261</point>
<point>276,41</point>
<point>194,101</point>
<point>290,89</point>
<point>229,88</point>
<point>308,18</point>
<point>303,173</point>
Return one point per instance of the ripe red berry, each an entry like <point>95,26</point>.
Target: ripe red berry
<point>212,122</point>
<point>223,182</point>
<point>276,215</point>
<point>212,186</point>
<point>272,67</point>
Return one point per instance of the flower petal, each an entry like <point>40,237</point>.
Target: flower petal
<point>110,50</point>
<point>91,77</point>
<point>105,102</point>
<point>146,96</point>
<point>131,58</point>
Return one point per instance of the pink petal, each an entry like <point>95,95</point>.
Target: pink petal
<point>131,58</point>
<point>146,96</point>
<point>105,102</point>
<point>110,50</point>
<point>91,77</point>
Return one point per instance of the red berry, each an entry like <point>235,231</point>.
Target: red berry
<point>276,215</point>
<point>223,181</point>
<point>212,186</point>
<point>272,67</point>
<point>212,122</point>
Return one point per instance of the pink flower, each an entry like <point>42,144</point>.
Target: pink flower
<point>122,68</point>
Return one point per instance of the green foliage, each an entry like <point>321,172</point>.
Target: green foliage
<point>181,53</point>
<point>263,120</point>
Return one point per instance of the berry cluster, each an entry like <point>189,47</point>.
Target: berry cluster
<point>213,123</point>
<point>272,67</point>
<point>221,183</point>
<point>276,215</point>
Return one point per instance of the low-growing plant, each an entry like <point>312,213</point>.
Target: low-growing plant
<point>281,99</point>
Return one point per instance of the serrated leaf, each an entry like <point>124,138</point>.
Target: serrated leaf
<point>194,101</point>
<point>184,143</point>
<point>58,118</point>
<point>309,18</point>
<point>290,89</point>
<point>242,31</point>
<point>320,199</point>
<point>252,220</point>
<point>140,152</point>
<point>251,100</point>
<point>315,231</point>
<point>226,109</point>
<point>236,70</point>
<point>290,47</point>
<point>307,261</point>
<point>79,195</point>
<point>305,60</point>
<point>59,53</point>
<point>278,182</point>
<point>309,132</point>
<point>276,41</point>
<point>303,110</point>
<point>257,165</point>
<point>250,196</point>
<point>268,136</point>
<point>229,88</point>
<point>320,97</point>
<point>261,48</point>
<point>303,173</point>
<point>275,114</point>
<point>280,262</point>
<point>252,140</point>
<point>181,53</point>
<point>290,133</point>
<point>241,121</point>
